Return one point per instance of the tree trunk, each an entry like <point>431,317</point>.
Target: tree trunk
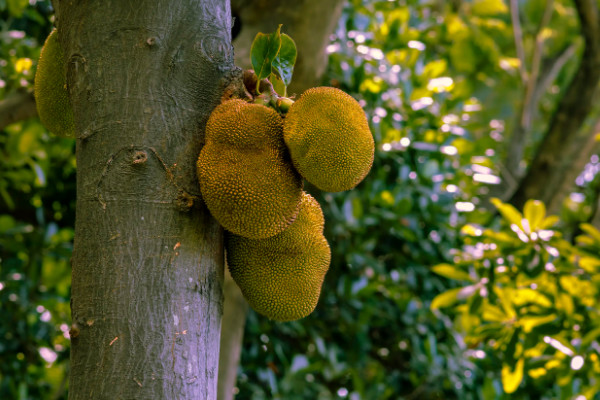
<point>549,168</point>
<point>148,259</point>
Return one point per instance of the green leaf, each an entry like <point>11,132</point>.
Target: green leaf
<point>534,212</point>
<point>590,337</point>
<point>450,271</point>
<point>263,52</point>
<point>283,64</point>
<point>511,379</point>
<point>17,7</point>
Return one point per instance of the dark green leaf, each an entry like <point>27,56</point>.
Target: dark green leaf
<point>265,48</point>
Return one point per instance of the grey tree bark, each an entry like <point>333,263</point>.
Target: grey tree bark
<point>143,77</point>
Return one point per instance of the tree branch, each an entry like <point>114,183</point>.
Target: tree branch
<point>17,107</point>
<point>531,81</point>
<point>546,172</point>
<point>518,34</point>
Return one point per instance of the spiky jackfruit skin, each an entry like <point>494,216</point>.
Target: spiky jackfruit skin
<point>50,90</point>
<point>281,277</point>
<point>329,139</point>
<point>246,177</point>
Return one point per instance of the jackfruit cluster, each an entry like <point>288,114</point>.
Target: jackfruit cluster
<point>50,89</point>
<point>281,277</point>
<point>250,172</point>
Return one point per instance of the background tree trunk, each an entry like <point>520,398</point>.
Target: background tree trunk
<point>148,260</point>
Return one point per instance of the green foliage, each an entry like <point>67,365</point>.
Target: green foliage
<point>440,86</point>
<point>37,199</point>
<point>528,301</point>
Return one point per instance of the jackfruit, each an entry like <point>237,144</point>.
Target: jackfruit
<point>281,277</point>
<point>50,89</point>
<point>329,139</point>
<point>246,177</point>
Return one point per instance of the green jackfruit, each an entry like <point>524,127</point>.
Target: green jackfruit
<point>246,177</point>
<point>50,90</point>
<point>329,139</point>
<point>281,277</point>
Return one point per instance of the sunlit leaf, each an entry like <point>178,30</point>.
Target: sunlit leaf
<point>493,313</point>
<point>590,264</point>
<point>511,378</point>
<point>435,69</point>
<point>534,211</point>
<point>549,222</point>
<point>591,230</point>
<point>452,272</point>
<point>471,230</point>
<point>450,297</point>
<point>445,299</point>
<point>523,296</point>
<point>528,323</point>
<point>489,7</point>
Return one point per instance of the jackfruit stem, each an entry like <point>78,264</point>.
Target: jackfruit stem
<point>284,103</point>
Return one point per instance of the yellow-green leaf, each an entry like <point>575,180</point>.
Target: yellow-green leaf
<point>521,297</point>
<point>591,230</point>
<point>493,313</point>
<point>445,299</point>
<point>590,264</point>
<point>511,379</point>
<point>509,213</point>
<point>452,272</point>
<point>534,212</point>
<point>528,323</point>
<point>489,7</point>
<point>549,221</point>
<point>505,302</point>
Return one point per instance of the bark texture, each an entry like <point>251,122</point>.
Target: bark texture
<point>148,259</point>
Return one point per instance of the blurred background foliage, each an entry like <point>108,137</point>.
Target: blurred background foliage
<point>436,290</point>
